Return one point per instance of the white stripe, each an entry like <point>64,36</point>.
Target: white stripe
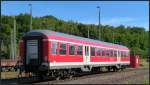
<point>81,63</point>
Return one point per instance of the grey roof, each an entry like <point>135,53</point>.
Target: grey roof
<point>48,33</point>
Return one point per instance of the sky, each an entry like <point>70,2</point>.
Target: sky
<point>115,13</point>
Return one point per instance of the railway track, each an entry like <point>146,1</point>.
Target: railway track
<point>90,76</point>
<point>51,80</point>
<point>80,80</point>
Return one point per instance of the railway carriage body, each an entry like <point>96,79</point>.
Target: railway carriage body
<point>47,50</point>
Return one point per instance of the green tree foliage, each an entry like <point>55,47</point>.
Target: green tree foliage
<point>135,38</point>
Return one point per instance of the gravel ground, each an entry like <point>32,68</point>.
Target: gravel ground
<point>137,76</point>
<point>128,76</point>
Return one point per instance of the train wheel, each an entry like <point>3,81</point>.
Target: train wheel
<point>122,68</point>
<point>109,69</point>
<point>70,76</point>
<point>114,69</point>
<point>40,77</point>
<point>57,78</point>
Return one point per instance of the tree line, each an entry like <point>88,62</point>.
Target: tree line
<point>135,38</point>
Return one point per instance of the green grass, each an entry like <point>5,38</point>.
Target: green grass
<point>8,75</point>
<point>146,81</point>
<point>144,63</point>
<point>127,82</point>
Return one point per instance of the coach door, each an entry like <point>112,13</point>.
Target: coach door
<point>86,55</point>
<point>118,56</point>
<point>33,52</point>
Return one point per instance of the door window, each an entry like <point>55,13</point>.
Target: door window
<point>53,47</point>
<point>86,51</point>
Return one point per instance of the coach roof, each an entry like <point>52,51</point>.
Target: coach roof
<point>50,33</point>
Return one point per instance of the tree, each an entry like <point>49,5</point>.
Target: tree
<point>135,38</point>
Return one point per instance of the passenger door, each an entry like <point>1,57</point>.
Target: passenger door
<point>32,51</point>
<point>118,56</point>
<point>86,56</point>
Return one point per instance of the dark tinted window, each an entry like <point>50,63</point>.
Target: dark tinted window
<point>98,52</point>
<point>79,50</point>
<point>122,55</point>
<point>125,54</point>
<point>119,53</point>
<point>62,48</point>
<point>115,53</point>
<point>71,49</point>
<point>92,51</point>
<point>103,52</point>
<point>107,52</point>
<point>111,53</point>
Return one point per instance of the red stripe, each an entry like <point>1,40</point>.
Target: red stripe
<point>103,59</point>
<point>65,58</point>
<point>125,59</point>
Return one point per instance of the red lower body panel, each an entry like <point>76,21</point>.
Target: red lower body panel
<point>103,59</point>
<point>65,58</point>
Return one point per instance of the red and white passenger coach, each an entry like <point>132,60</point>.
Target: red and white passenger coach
<point>48,51</point>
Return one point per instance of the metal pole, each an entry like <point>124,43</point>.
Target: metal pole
<point>113,37</point>
<point>0,64</point>
<point>14,38</point>
<point>11,44</point>
<point>30,5</point>
<point>88,32</point>
<point>99,23</point>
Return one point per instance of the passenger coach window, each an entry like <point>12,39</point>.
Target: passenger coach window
<point>71,49</point>
<point>119,53</point>
<point>122,54</point>
<point>79,50</point>
<point>115,53</point>
<point>111,53</point>
<point>107,52</point>
<point>92,51</point>
<point>53,47</point>
<point>127,53</point>
<point>62,48</point>
<point>98,52</point>
<point>103,52</point>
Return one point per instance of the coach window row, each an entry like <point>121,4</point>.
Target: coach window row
<point>62,49</point>
<point>103,52</point>
<point>124,54</point>
<point>108,52</point>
